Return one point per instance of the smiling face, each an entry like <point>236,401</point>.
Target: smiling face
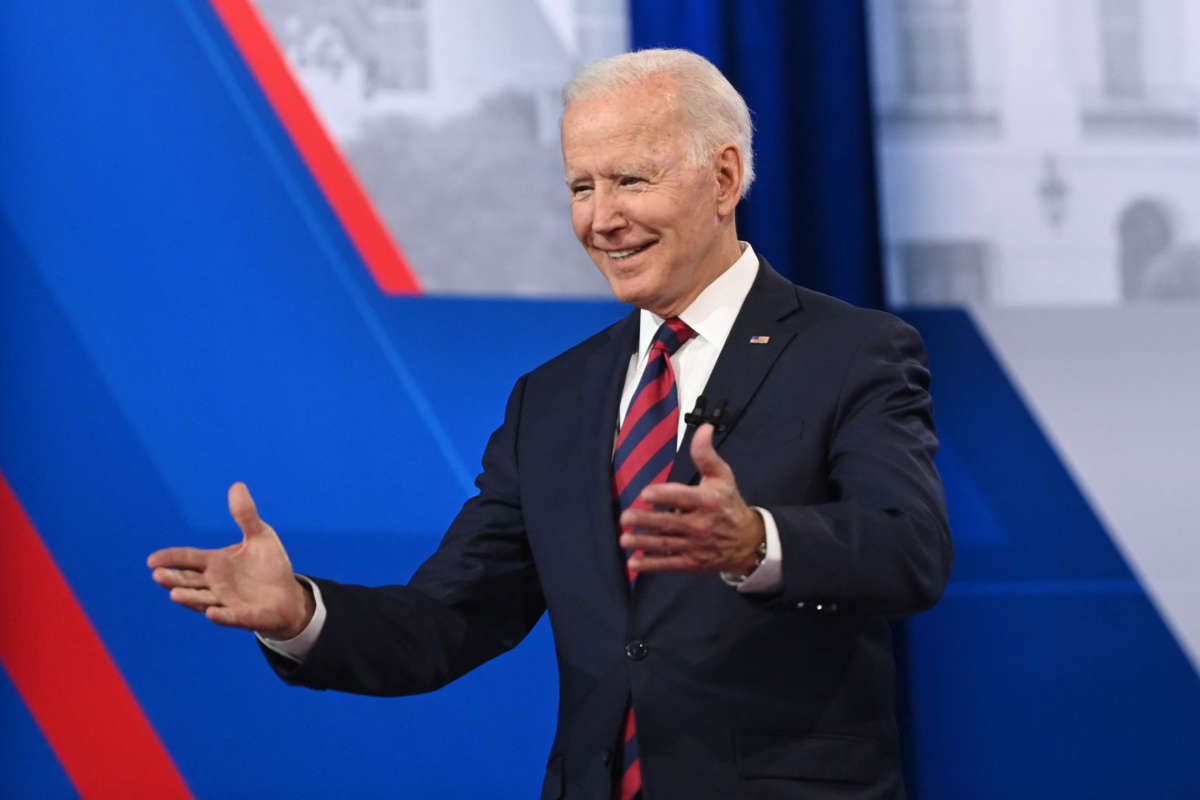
<point>659,229</point>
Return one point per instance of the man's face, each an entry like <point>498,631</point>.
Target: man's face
<point>649,221</point>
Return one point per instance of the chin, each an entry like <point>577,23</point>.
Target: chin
<point>633,295</point>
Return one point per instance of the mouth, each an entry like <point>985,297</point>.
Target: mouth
<point>620,255</point>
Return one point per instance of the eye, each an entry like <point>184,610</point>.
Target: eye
<point>630,180</point>
<point>580,189</point>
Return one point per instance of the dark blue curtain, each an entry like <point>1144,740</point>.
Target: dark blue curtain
<point>803,68</point>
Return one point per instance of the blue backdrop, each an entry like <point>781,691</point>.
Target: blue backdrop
<point>803,69</point>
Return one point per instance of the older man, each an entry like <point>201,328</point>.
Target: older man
<point>718,583</point>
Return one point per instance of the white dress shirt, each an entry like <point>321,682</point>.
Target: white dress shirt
<point>711,317</point>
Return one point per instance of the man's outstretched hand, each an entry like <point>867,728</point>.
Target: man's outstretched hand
<point>697,529</point>
<point>246,585</point>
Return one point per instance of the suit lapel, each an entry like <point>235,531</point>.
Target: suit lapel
<point>599,401</point>
<point>743,365</point>
<point>770,310</point>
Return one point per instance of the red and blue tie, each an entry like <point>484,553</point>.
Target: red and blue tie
<point>644,455</point>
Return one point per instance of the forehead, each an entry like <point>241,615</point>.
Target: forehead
<point>630,126</point>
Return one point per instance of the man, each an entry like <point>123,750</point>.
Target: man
<point>739,645</point>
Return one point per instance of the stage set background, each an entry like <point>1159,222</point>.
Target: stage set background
<point>311,247</point>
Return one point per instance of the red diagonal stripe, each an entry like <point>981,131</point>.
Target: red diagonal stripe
<point>651,394</point>
<point>66,677</point>
<point>666,430</point>
<point>631,781</point>
<point>681,329</point>
<point>630,725</point>
<point>345,194</point>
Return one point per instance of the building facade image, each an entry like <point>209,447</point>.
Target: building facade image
<point>1038,152</point>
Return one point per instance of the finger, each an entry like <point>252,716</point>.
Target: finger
<point>705,455</point>
<point>179,558</point>
<point>222,615</point>
<point>243,510</point>
<point>655,543</point>
<point>661,563</point>
<point>188,578</point>
<point>197,607</point>
<point>679,496</point>
<point>656,521</point>
<point>197,599</point>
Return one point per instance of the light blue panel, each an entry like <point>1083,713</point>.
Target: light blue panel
<point>101,504</point>
<point>178,309</point>
<point>185,243</point>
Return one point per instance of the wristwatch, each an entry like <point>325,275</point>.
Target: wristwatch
<point>760,554</point>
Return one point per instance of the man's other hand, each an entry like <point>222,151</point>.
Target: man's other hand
<point>246,585</point>
<point>697,529</point>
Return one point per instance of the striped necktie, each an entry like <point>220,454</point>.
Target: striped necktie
<point>644,455</point>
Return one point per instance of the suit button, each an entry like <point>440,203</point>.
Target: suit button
<point>800,604</point>
<point>636,650</point>
<point>606,757</point>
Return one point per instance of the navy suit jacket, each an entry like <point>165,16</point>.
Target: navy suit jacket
<point>737,696</point>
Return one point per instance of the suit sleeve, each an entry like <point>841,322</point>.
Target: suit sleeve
<point>474,598</point>
<point>881,544</point>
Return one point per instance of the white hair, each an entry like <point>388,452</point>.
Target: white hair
<point>715,112</point>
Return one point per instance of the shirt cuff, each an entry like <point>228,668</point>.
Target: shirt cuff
<point>768,576</point>
<point>302,643</point>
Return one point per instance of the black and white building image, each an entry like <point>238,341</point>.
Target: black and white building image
<point>1039,152</point>
<point>448,111</point>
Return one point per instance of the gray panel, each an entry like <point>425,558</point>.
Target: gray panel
<point>1117,392</point>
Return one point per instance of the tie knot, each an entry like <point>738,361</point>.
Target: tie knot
<point>671,336</point>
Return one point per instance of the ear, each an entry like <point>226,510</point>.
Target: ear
<point>728,168</point>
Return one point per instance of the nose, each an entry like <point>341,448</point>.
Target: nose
<point>607,213</point>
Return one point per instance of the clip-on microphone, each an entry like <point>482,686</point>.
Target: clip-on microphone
<point>698,415</point>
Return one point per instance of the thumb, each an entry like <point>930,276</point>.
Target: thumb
<point>705,455</point>
<point>243,510</point>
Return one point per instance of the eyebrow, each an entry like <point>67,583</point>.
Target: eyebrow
<point>628,171</point>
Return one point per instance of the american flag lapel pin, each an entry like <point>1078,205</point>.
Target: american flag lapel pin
<point>759,339</point>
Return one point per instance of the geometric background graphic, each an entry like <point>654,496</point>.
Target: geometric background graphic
<point>1046,670</point>
<point>1116,392</point>
<point>181,310</point>
<point>181,307</point>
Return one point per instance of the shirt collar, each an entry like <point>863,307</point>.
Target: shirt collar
<point>712,313</point>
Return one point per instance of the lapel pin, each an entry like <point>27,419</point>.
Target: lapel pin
<point>759,339</point>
